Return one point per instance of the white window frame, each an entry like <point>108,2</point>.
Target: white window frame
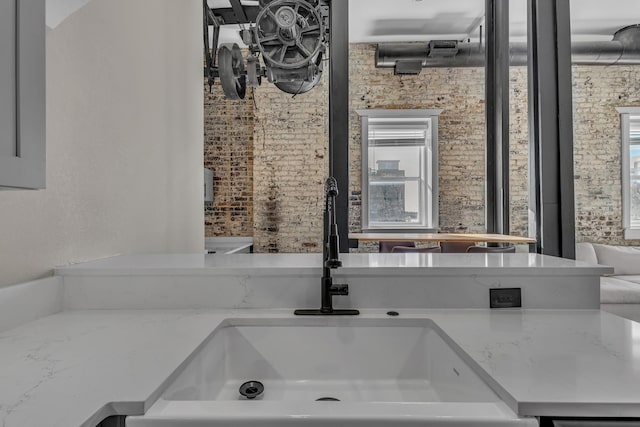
<point>630,233</point>
<point>430,170</point>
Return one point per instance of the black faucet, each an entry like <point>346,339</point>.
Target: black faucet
<point>330,258</point>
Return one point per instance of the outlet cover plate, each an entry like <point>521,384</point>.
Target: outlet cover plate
<point>505,298</point>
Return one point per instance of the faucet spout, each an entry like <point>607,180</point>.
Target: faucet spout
<point>331,239</point>
<point>330,258</point>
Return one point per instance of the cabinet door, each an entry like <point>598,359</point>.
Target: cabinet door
<point>22,94</point>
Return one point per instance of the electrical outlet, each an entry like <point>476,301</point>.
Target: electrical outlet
<point>505,298</point>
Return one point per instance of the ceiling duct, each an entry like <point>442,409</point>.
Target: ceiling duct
<point>624,49</point>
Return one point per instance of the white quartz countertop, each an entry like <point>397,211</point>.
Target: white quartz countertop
<point>77,367</point>
<point>310,264</point>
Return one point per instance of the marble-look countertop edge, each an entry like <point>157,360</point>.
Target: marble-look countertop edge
<point>521,408</point>
<point>585,409</point>
<point>353,264</point>
<point>116,409</point>
<point>195,272</point>
<point>344,271</point>
<point>503,335</point>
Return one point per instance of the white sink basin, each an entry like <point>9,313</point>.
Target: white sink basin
<point>404,372</point>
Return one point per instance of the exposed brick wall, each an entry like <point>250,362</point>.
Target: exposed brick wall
<point>290,138</point>
<point>519,151</point>
<point>459,92</point>
<point>228,150</point>
<point>597,92</point>
<point>290,167</point>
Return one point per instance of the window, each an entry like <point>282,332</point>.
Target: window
<point>630,121</point>
<point>400,170</point>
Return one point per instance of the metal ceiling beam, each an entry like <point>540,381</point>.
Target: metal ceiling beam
<point>497,114</point>
<point>551,127</point>
<point>238,10</point>
<point>339,112</point>
<point>229,14</point>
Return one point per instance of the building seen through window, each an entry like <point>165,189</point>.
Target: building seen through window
<point>634,169</point>
<point>400,169</point>
<point>630,129</point>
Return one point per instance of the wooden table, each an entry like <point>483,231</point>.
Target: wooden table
<point>442,237</point>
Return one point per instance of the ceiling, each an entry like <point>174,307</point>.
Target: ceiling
<point>373,21</point>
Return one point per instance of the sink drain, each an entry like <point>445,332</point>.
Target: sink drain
<point>327,399</point>
<point>251,389</point>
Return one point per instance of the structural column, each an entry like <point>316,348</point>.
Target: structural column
<point>551,128</point>
<point>339,112</point>
<point>497,114</point>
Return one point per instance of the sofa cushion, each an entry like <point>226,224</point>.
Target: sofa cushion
<point>623,259</point>
<point>617,290</point>
<point>633,279</point>
<point>586,253</point>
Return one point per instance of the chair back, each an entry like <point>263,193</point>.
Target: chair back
<point>456,247</point>
<point>492,250</point>
<point>408,250</point>
<point>387,246</point>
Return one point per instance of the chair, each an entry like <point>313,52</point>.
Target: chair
<point>408,250</point>
<point>456,247</point>
<point>387,246</point>
<point>491,250</point>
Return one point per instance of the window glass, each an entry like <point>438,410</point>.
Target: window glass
<point>630,136</point>
<point>634,170</point>
<point>400,172</point>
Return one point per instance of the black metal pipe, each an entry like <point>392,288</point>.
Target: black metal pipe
<point>624,49</point>
<point>470,55</point>
<point>497,114</point>
<point>339,110</point>
<point>551,128</point>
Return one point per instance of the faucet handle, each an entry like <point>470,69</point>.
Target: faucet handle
<point>333,263</point>
<point>339,290</point>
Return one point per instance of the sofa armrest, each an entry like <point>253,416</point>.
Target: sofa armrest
<point>586,253</point>
<point>617,290</point>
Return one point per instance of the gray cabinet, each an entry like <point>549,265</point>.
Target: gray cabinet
<point>22,94</point>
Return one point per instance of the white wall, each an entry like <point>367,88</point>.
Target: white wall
<point>124,141</point>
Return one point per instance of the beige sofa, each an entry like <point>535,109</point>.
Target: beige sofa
<point>619,292</point>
